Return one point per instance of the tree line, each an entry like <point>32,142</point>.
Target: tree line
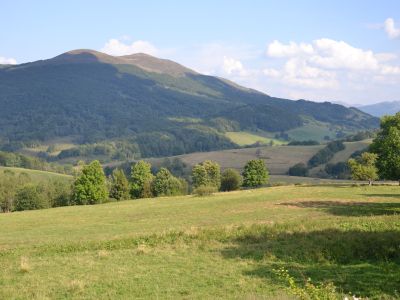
<point>91,186</point>
<point>381,160</point>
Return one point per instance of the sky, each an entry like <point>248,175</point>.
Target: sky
<point>339,51</point>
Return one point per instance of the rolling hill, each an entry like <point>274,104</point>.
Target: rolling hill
<point>158,106</point>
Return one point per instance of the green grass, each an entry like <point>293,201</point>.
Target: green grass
<point>312,131</point>
<point>37,175</point>
<point>223,246</point>
<point>243,138</point>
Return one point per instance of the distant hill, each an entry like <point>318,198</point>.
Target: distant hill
<point>154,106</point>
<point>381,109</point>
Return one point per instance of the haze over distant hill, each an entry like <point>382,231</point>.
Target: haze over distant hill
<point>381,109</point>
<point>158,105</point>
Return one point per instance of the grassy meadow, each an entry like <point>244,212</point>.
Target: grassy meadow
<point>243,138</point>
<point>37,175</point>
<point>228,245</point>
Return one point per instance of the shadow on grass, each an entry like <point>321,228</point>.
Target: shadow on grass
<point>382,195</point>
<point>356,209</point>
<point>363,263</point>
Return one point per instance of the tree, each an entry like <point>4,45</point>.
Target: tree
<point>141,180</point>
<point>8,182</point>
<point>255,173</point>
<point>299,169</point>
<point>90,186</point>
<point>364,168</point>
<point>165,184</point>
<point>231,180</point>
<point>387,146</point>
<point>207,173</point>
<point>119,189</point>
<point>29,197</point>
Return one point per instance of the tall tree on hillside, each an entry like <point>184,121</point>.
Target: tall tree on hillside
<point>364,168</point>
<point>90,186</point>
<point>119,185</point>
<point>387,146</point>
<point>255,173</point>
<point>165,184</point>
<point>141,178</point>
<point>207,173</point>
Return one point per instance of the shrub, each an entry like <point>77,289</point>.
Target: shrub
<point>230,180</point>
<point>204,190</point>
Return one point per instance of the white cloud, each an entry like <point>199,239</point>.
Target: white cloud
<point>391,29</point>
<point>271,72</point>
<point>7,61</point>
<point>340,55</point>
<point>326,69</point>
<point>277,49</point>
<point>117,47</point>
<point>233,66</point>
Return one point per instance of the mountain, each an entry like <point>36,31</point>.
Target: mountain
<point>154,105</point>
<point>381,109</point>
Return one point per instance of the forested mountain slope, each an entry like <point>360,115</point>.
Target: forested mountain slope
<point>158,105</point>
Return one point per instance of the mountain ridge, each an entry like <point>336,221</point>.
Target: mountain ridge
<point>382,108</point>
<point>140,98</point>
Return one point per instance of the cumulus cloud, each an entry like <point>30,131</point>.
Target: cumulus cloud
<point>391,29</point>
<point>233,66</point>
<point>277,49</point>
<point>118,47</point>
<point>331,70</point>
<point>7,61</point>
<point>338,54</point>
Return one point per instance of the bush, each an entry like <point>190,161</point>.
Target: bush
<point>299,169</point>
<point>204,190</point>
<point>230,180</point>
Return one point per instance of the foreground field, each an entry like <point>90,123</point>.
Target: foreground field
<point>224,246</point>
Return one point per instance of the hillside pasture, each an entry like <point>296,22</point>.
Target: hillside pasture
<point>223,246</point>
<point>37,175</point>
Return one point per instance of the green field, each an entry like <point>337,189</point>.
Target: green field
<point>37,175</point>
<point>313,131</point>
<point>243,138</point>
<point>223,246</point>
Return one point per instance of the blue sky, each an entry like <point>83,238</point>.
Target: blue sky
<point>345,51</point>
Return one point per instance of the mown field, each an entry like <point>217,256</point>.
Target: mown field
<point>278,158</point>
<point>243,138</point>
<point>223,246</point>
